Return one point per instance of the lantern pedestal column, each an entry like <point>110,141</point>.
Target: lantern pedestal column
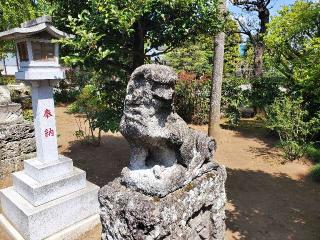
<point>50,197</point>
<point>44,120</point>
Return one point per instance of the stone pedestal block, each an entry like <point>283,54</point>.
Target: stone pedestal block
<point>192,212</point>
<point>42,205</point>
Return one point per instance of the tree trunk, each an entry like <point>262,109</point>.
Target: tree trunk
<point>4,66</point>
<point>138,45</point>
<point>264,17</point>
<point>258,59</point>
<point>217,75</point>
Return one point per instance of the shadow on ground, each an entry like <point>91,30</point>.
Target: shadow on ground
<point>264,206</point>
<point>104,163</point>
<point>265,142</point>
<point>261,206</point>
<point>251,128</point>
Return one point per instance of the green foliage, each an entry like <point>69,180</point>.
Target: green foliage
<point>65,94</point>
<point>265,90</point>
<point>192,98</point>
<point>290,120</point>
<point>110,34</point>
<point>27,115</point>
<point>291,48</point>
<point>12,13</point>
<point>232,59</point>
<point>233,99</point>
<point>197,56</point>
<point>315,172</point>
<point>5,80</point>
<point>90,103</point>
<point>109,31</point>
<point>293,43</point>
<point>46,7</point>
<point>69,88</point>
<point>101,102</point>
<point>313,153</point>
<point>194,62</point>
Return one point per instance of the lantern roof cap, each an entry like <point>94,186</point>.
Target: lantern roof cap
<point>41,24</point>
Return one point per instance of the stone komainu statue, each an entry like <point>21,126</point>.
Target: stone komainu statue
<point>165,153</point>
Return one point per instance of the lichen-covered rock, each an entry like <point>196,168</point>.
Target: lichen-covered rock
<point>10,113</point>
<point>173,189</point>
<point>4,95</point>
<point>193,212</point>
<point>17,143</point>
<point>165,153</point>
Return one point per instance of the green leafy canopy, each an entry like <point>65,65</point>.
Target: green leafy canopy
<point>106,31</point>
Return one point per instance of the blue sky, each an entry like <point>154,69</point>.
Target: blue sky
<point>275,6</point>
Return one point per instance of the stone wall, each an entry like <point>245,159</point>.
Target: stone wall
<point>193,212</point>
<point>17,143</point>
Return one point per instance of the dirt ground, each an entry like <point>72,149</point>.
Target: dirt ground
<point>268,198</point>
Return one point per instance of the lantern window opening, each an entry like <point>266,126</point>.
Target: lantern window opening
<point>43,51</point>
<point>23,51</point>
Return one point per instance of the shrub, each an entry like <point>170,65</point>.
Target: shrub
<point>265,90</point>
<point>192,98</point>
<point>289,119</point>
<point>69,88</point>
<point>315,172</point>
<point>102,106</point>
<point>90,103</point>
<point>66,95</point>
<point>234,98</point>
<point>313,153</point>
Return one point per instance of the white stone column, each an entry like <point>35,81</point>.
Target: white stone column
<point>44,120</point>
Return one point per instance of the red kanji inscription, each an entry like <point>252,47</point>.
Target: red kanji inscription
<point>47,113</point>
<point>49,132</point>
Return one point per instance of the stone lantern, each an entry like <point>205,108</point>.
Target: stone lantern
<point>50,197</point>
<point>38,60</point>
<point>38,55</point>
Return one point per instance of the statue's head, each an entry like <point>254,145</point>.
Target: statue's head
<point>152,85</point>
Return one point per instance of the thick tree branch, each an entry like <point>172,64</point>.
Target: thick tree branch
<point>245,30</point>
<point>169,49</point>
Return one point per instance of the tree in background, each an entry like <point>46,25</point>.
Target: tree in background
<point>196,56</point>
<point>193,61</point>
<point>217,75</point>
<point>254,31</point>
<point>114,37</point>
<point>192,56</point>
<point>125,34</point>
<point>60,10</point>
<point>295,51</point>
<point>12,14</point>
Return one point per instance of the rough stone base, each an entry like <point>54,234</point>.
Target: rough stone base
<point>193,212</point>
